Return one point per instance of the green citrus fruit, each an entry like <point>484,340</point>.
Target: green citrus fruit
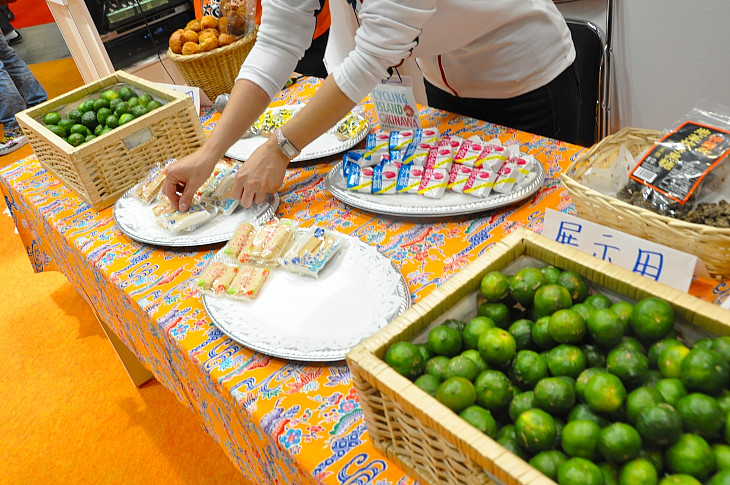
<point>57,130</point>
<point>75,116</point>
<point>102,114</point>
<point>456,393</point>
<point>125,118</point>
<point>100,103</point>
<point>691,455</point>
<point>582,380</point>
<point>89,138</point>
<point>580,438</point>
<point>604,393</point>
<point>720,478</point>
<point>154,104</point>
<point>475,357</point>
<point>498,312</point>
<point>78,129</point>
<point>705,371</point>
<point>75,139</point>
<point>555,395</point>
<point>494,286</point>
<point>575,284</point>
<point>583,309</point>
<point>566,360</point>
<point>66,124</point>
<point>541,334</point>
<point>579,471</point>
<point>598,300</point>
<point>638,472</point>
<point>436,366</point>
<point>443,340</point>
<point>655,457</point>
<point>594,355</point>
<point>567,326</point>
<point>548,462</point>
<point>144,98</point>
<point>701,415</point>
<point>659,425</point>
<point>493,390</point>
<point>524,285</point>
<point>605,327</point>
<point>497,346</point>
<point>88,119</point>
<point>423,348</point>
<point>481,419</point>
<point>460,366</point>
<point>639,400</point>
<point>406,359</point>
<point>536,430</point>
<point>721,345</point>
<point>528,368</point>
<point>133,101</point>
<point>125,92</point>
<point>455,323</point>
<point>582,412</point>
<point>98,129</point>
<point>511,444</point>
<point>610,473</point>
<point>623,309</point>
<point>109,94</point>
<point>628,365</point>
<point>550,298</point>
<point>679,479</point>
<point>670,360</point>
<point>657,348</point>
<point>723,400</point>
<point>112,121</point>
<point>51,118</point>
<point>521,403</point>
<point>428,383</point>
<point>619,442</point>
<point>521,330</point>
<point>651,319</point>
<point>672,390</point>
<point>138,111</point>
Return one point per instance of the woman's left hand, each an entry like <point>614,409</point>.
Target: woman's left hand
<point>260,175</point>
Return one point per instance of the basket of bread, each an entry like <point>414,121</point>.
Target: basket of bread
<point>209,51</point>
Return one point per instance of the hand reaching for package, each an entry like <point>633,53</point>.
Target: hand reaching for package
<point>260,175</point>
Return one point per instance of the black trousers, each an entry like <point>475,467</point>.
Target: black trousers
<point>551,110</point>
<point>5,26</point>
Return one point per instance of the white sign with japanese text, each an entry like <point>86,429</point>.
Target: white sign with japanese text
<point>199,97</point>
<point>660,263</point>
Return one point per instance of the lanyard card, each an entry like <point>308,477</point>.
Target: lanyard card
<point>395,104</point>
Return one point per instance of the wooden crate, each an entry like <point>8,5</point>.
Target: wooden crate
<point>425,437</point>
<point>101,170</point>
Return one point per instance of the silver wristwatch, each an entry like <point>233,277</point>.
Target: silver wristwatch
<point>285,145</point>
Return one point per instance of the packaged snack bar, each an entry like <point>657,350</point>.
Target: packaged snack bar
<point>148,188</point>
<point>468,153</point>
<point>480,183</point>
<point>162,205</point>
<point>399,140</point>
<point>434,182</point>
<point>441,157</point>
<point>350,126</point>
<point>352,157</point>
<point>512,172</point>
<point>377,142</point>
<point>385,178</point>
<point>458,177</point>
<point>221,282</point>
<point>409,179</point>
<point>360,179</point>
<point>415,154</point>
<point>226,206</point>
<point>241,239</point>
<point>210,274</point>
<point>492,156</point>
<point>428,136</point>
<point>312,250</point>
<point>196,216</point>
<point>248,281</point>
<point>270,242</point>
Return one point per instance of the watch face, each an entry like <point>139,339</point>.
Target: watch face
<point>289,149</point>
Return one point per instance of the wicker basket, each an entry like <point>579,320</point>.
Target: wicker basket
<point>426,438</point>
<point>215,71</point>
<point>101,170</point>
<point>710,244</point>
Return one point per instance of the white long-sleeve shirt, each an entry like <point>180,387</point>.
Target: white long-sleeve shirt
<point>470,48</point>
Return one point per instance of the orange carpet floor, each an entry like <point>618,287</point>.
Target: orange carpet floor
<point>69,414</point>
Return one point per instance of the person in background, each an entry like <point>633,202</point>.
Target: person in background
<point>11,35</point>
<point>19,90</point>
<point>503,61</point>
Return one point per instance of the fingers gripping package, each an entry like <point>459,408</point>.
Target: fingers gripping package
<point>211,200</point>
<point>426,163</point>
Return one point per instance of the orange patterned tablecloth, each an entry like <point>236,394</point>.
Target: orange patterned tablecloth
<point>278,421</point>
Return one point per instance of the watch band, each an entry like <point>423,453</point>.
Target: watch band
<point>285,145</point>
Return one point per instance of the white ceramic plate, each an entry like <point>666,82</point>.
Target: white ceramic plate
<point>327,144</point>
<point>415,205</point>
<point>301,318</point>
<point>136,220</point>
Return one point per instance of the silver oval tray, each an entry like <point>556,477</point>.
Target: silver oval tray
<point>301,318</point>
<point>414,205</point>
<point>136,220</point>
<point>325,145</point>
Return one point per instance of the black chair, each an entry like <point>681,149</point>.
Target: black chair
<point>591,68</point>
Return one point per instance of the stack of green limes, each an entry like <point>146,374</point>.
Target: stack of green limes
<point>588,389</point>
<point>95,117</point>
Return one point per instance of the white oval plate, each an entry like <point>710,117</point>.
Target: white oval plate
<point>325,145</point>
<point>136,220</point>
<point>415,205</point>
<point>301,318</point>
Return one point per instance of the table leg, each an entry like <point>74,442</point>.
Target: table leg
<point>137,372</point>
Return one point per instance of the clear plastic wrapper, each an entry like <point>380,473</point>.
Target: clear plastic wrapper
<point>194,217</point>
<point>240,240</point>
<point>311,251</point>
<point>385,178</point>
<point>216,277</point>
<point>271,240</point>
<point>148,188</point>
<point>434,182</point>
<point>248,281</point>
<point>409,179</point>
